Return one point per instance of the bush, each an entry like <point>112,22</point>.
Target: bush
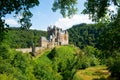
<point>63,61</point>
<point>6,52</point>
<point>113,64</point>
<point>43,69</point>
<point>93,54</point>
<point>14,64</point>
<point>91,51</point>
<point>77,77</point>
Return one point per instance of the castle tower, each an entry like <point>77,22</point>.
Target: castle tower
<point>56,36</point>
<point>43,42</point>
<point>66,38</point>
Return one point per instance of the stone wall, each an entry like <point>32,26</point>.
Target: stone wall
<point>28,50</point>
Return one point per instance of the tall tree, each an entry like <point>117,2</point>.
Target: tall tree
<point>110,39</point>
<point>25,20</point>
<point>67,7</point>
<point>9,6</point>
<point>95,8</point>
<point>99,8</point>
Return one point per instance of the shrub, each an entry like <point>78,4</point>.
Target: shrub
<point>93,54</point>
<point>113,64</point>
<point>91,51</point>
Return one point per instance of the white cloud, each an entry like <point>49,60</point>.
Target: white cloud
<point>112,7</point>
<point>66,23</point>
<point>11,22</point>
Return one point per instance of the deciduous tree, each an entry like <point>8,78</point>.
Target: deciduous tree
<point>9,6</point>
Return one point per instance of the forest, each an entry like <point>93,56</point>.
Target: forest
<point>91,45</point>
<point>19,38</point>
<point>63,64</point>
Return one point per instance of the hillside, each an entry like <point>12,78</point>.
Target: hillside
<point>94,73</point>
<point>62,62</point>
<point>19,38</point>
<point>80,35</point>
<point>103,37</point>
<point>69,62</point>
<point>83,35</point>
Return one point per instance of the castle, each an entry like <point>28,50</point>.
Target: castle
<point>56,37</point>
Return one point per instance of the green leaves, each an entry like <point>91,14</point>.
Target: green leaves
<point>113,64</point>
<point>13,64</point>
<point>63,64</point>
<point>110,39</point>
<point>25,20</point>
<point>82,35</point>
<point>8,6</point>
<point>22,38</point>
<point>96,8</point>
<point>67,7</point>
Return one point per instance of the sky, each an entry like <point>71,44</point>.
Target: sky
<point>43,16</point>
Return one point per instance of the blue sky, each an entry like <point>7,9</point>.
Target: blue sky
<point>43,16</point>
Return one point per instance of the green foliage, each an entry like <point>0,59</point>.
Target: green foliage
<point>14,64</point>
<point>111,47</point>
<point>6,52</point>
<point>63,61</point>
<point>110,39</point>
<point>113,64</point>
<point>7,68</point>
<point>20,61</point>
<point>25,20</point>
<point>85,61</point>
<point>16,6</point>
<point>59,64</point>
<point>76,77</point>
<point>6,77</point>
<point>18,38</point>
<point>91,51</point>
<point>88,58</point>
<point>98,9</point>
<point>86,34</point>
<point>43,69</point>
<point>2,30</point>
<point>66,61</point>
<point>67,7</point>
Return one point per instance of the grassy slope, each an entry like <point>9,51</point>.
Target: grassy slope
<point>60,50</point>
<point>65,51</point>
<point>94,73</point>
<point>91,73</point>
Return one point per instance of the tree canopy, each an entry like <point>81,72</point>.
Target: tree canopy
<point>16,6</point>
<point>8,6</point>
<point>95,8</point>
<point>67,7</point>
<point>61,63</point>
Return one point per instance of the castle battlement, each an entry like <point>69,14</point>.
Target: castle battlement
<point>56,36</point>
